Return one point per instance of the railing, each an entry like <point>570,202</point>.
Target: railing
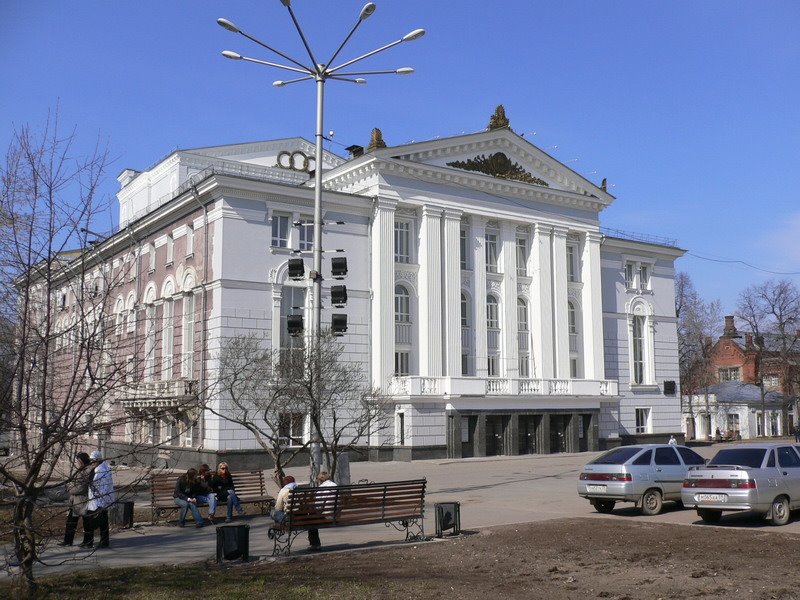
<point>415,385</point>
<point>151,393</point>
<point>402,333</point>
<point>493,339</point>
<point>639,237</point>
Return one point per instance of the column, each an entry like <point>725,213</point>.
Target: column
<point>451,282</point>
<point>508,241</point>
<point>542,303</point>
<point>382,282</point>
<point>592,309</point>
<point>560,316</point>
<point>430,292</point>
<point>479,301</point>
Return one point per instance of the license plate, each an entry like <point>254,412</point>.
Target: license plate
<point>595,488</point>
<point>711,497</point>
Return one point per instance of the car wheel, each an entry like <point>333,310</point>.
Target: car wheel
<point>780,513</point>
<point>604,506</point>
<point>708,515</point>
<point>651,502</point>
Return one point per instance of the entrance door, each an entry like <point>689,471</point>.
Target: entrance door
<point>584,432</point>
<point>528,428</point>
<point>469,423</point>
<point>558,433</point>
<point>494,435</point>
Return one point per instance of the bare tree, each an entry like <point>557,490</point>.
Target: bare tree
<point>263,390</point>
<point>772,312</point>
<point>63,357</point>
<point>698,323</point>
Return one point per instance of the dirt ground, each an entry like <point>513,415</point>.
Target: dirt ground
<point>590,558</point>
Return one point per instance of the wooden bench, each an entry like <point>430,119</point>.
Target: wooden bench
<point>250,488</point>
<point>400,504</point>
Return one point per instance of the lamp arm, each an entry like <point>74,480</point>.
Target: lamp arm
<point>302,37</point>
<point>276,65</point>
<point>363,56</point>
<point>278,52</point>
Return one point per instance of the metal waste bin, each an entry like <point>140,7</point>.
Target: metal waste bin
<point>448,516</point>
<point>122,514</point>
<point>233,542</point>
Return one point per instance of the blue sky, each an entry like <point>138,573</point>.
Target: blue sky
<point>688,108</point>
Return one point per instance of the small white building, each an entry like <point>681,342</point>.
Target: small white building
<point>734,409</point>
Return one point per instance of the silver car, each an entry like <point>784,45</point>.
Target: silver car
<point>764,478</point>
<point>646,474</point>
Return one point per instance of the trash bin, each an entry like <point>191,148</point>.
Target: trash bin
<point>448,516</point>
<point>122,514</point>
<point>233,542</point>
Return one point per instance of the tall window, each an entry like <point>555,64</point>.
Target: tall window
<point>464,249</point>
<point>466,337</point>
<point>630,281</point>
<point>187,365</point>
<point>572,263</point>
<point>522,256</point>
<point>280,231</point>
<point>523,338</point>
<point>167,334</point>
<point>402,305</point>
<point>293,299</point>
<point>149,339</point>
<point>189,240</point>
<point>574,341</point>
<point>402,242</point>
<point>637,340</point>
<point>151,256</point>
<point>491,252</point>
<point>402,360</point>
<point>642,420</point>
<point>644,277</point>
<point>493,336</point>
<point>402,331</point>
<point>638,275</point>
<point>170,250</point>
<point>130,315</point>
<point>306,234</point>
<point>291,428</point>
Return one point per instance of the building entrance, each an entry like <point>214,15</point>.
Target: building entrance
<point>528,433</point>
<point>495,430</point>
<point>558,432</point>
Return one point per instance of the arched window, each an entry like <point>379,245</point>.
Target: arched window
<point>642,349</point>
<point>402,331</point>
<point>574,341</point>
<point>150,334</point>
<point>293,300</point>
<point>573,322</point>
<point>167,332</point>
<point>523,338</point>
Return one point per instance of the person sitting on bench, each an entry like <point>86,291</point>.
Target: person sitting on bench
<point>188,489</point>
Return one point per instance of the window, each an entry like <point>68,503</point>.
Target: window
<point>667,456</point>
<point>491,252</point>
<point>189,240</point>
<point>690,457</point>
<point>630,281</point>
<point>464,249</point>
<point>306,234</point>
<point>642,420</point>
<point>151,255</point>
<point>572,318</point>
<point>291,428</point>
<point>170,250</point>
<point>167,335</point>
<point>293,300</point>
<point>572,263</point>
<point>492,367</point>
<point>638,349</point>
<point>130,315</point>
<point>187,366</point>
<point>730,374</point>
<point>466,336</point>
<point>788,458</point>
<point>400,429</point>
<point>402,242</point>
<point>402,305</point>
<point>280,231</point>
<point>733,422</point>
<point>523,338</point>
<point>643,459</point>
<point>149,340</point>
<point>402,360</point>
<point>522,256</point>
<point>492,313</point>
<point>464,311</point>
<point>637,275</point>
<point>493,336</point>
<point>771,381</point>
<point>644,277</point>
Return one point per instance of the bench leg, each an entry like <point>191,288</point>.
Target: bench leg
<point>413,528</point>
<point>281,540</point>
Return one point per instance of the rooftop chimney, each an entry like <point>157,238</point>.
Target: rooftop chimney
<point>730,328</point>
<point>355,150</point>
<point>748,339</point>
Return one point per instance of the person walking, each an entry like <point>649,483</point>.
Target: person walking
<point>101,497</point>
<point>78,490</point>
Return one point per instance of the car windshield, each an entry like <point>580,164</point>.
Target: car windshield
<point>617,456</point>
<point>743,457</point>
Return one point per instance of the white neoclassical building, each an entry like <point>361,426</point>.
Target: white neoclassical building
<point>485,299</point>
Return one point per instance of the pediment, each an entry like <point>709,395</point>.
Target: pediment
<point>500,154</point>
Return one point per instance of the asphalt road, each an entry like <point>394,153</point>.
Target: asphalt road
<point>491,491</point>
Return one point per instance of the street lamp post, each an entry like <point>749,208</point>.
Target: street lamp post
<point>320,73</point>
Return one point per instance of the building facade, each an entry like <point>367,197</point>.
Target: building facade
<point>484,299</point>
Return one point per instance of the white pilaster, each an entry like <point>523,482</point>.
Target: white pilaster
<point>541,316</point>
<point>592,309</point>
<point>430,292</point>
<point>479,301</point>
<point>451,280</point>
<point>508,241</point>
<point>560,316</point>
<point>382,281</point>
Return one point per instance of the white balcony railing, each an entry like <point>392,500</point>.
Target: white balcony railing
<point>415,385</point>
<point>152,393</point>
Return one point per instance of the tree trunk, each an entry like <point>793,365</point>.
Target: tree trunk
<point>24,548</point>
